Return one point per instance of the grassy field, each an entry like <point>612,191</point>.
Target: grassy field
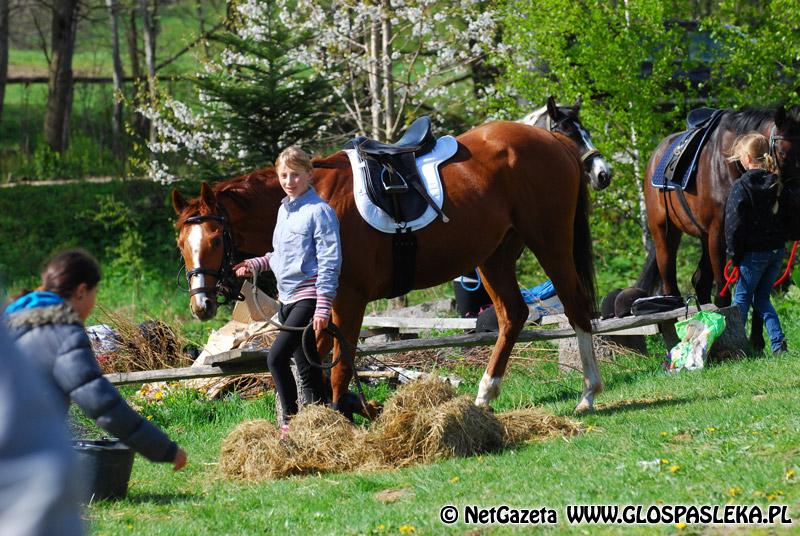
<point>727,435</point>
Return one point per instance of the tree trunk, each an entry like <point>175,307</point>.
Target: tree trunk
<point>140,124</point>
<point>201,17</point>
<point>149,22</point>
<point>388,82</point>
<point>116,116</point>
<point>4,10</point>
<point>59,95</point>
<point>374,80</point>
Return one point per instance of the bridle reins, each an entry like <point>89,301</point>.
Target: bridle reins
<point>223,274</point>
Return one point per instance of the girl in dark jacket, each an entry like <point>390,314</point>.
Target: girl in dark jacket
<point>48,328</point>
<point>754,233</point>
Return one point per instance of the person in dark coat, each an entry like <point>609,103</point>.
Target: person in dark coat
<point>39,492</point>
<point>754,233</point>
<point>48,327</point>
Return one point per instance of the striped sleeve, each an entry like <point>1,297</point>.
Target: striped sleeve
<point>259,264</point>
<point>323,309</point>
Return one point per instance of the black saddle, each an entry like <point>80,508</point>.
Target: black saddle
<point>393,183</point>
<point>684,153</point>
<point>418,139</point>
<point>698,117</point>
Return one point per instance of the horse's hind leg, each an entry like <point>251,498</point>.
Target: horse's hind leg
<point>666,240</point>
<point>557,261</point>
<point>499,276</point>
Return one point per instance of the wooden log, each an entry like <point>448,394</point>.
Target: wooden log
<point>232,369</point>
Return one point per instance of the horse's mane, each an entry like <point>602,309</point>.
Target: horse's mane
<point>747,119</point>
<point>242,190</point>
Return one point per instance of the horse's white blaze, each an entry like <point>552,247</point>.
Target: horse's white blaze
<point>488,390</point>
<point>591,376</point>
<point>195,240</point>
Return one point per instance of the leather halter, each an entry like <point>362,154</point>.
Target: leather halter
<point>225,271</point>
<point>773,138</point>
<point>551,125</point>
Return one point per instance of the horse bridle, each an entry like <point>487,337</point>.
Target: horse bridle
<point>773,138</point>
<point>551,125</point>
<point>222,288</point>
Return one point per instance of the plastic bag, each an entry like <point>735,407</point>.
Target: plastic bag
<point>697,334</point>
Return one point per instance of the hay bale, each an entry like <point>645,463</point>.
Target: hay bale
<point>531,424</point>
<point>460,428</point>
<point>420,395</point>
<point>320,440</point>
<point>253,451</point>
<point>424,421</point>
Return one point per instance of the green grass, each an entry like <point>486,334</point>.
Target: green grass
<point>729,433</point>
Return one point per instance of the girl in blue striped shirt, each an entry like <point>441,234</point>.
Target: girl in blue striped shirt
<point>306,259</point>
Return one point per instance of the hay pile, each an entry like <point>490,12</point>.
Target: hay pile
<point>423,421</point>
<point>149,345</point>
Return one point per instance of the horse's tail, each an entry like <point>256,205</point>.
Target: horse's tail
<point>582,252</point>
<point>649,278</point>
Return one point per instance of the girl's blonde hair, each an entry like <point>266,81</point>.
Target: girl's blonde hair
<point>756,145</point>
<point>294,158</point>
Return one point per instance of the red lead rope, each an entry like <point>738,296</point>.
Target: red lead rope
<point>733,276</point>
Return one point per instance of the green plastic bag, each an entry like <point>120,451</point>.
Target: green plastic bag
<point>697,334</point>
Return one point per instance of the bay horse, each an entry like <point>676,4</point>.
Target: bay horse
<point>508,186</point>
<point>706,198</point>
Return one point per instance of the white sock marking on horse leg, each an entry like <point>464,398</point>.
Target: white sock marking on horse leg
<point>591,376</point>
<point>488,390</point>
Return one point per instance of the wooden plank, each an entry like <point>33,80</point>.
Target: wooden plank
<point>418,323</point>
<point>232,369</point>
<point>240,361</point>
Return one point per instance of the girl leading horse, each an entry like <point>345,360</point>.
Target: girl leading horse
<point>508,186</point>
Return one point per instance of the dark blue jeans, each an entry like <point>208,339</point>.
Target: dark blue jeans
<point>757,273</point>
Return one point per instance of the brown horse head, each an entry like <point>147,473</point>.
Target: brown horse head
<point>564,119</point>
<point>784,142</point>
<point>216,230</point>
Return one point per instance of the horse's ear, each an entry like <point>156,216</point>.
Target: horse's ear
<point>552,108</point>
<point>780,117</point>
<point>577,105</point>
<point>207,195</point>
<point>178,202</point>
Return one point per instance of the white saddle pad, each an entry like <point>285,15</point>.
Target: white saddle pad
<point>428,168</point>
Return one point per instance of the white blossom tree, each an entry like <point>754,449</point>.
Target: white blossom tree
<point>388,60</point>
<point>384,61</point>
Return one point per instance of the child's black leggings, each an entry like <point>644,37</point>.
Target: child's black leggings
<point>297,314</point>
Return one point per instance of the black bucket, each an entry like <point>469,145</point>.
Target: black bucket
<point>470,302</point>
<point>104,467</point>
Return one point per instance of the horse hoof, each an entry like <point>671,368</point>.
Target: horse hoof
<point>584,407</point>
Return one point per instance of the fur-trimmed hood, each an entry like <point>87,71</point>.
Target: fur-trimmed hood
<point>26,319</point>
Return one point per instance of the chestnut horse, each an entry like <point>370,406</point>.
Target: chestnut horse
<point>706,198</point>
<point>508,186</point>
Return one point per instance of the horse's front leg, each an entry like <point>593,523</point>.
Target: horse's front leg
<point>348,313</point>
<point>716,251</point>
<point>499,277</point>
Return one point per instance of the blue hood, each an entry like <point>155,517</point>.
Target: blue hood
<point>34,300</point>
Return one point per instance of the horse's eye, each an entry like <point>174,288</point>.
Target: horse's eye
<point>216,242</point>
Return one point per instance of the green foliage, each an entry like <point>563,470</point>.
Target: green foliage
<point>628,60</point>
